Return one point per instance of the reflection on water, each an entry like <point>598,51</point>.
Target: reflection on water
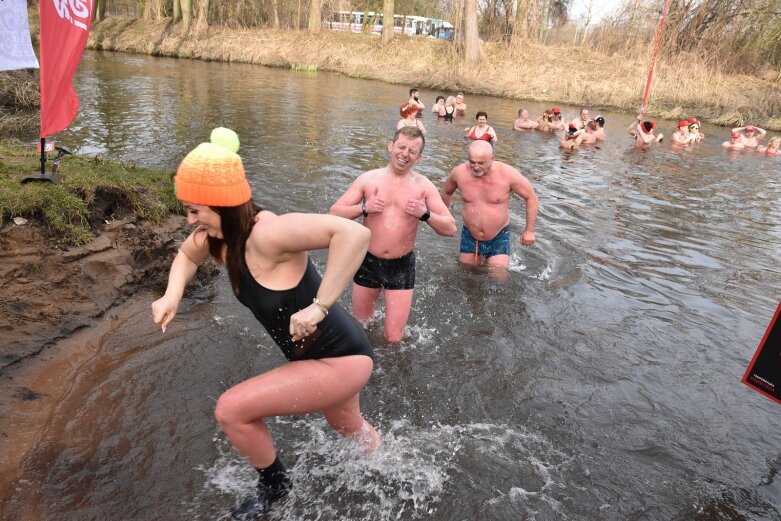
<point>602,381</point>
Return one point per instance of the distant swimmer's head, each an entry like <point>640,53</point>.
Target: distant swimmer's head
<point>735,135</point>
<point>225,137</point>
<point>438,98</point>
<point>547,116</point>
<point>683,124</point>
<point>408,109</point>
<point>591,125</point>
<point>556,111</point>
<point>694,127</point>
<point>600,120</point>
<point>749,129</point>
<point>212,175</point>
<point>648,126</point>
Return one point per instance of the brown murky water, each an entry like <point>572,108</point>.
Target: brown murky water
<point>602,381</point>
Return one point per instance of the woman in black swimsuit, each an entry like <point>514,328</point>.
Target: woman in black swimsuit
<point>266,256</point>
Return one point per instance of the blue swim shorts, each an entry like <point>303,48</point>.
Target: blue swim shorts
<point>499,245</point>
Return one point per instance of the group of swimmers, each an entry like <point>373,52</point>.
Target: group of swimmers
<point>583,130</point>
<point>330,357</point>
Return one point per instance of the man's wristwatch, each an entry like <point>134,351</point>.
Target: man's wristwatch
<point>363,209</point>
<point>425,216</point>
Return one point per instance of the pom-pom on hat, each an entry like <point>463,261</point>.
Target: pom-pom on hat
<point>212,175</point>
<point>225,137</point>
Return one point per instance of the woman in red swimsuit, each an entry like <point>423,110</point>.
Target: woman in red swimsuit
<point>482,131</point>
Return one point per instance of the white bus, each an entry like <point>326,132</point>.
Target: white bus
<point>410,25</point>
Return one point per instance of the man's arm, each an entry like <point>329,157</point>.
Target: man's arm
<point>449,188</point>
<point>351,204</point>
<point>521,186</point>
<point>441,220</point>
<point>633,129</point>
<point>762,133</point>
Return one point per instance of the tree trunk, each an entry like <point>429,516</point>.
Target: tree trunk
<point>177,11</point>
<point>471,38</point>
<point>274,14</point>
<point>203,14</point>
<point>298,17</point>
<point>458,23</point>
<point>100,11</point>
<point>387,21</point>
<point>187,14</point>
<point>521,27</point>
<point>588,21</point>
<point>543,20</point>
<point>315,15</point>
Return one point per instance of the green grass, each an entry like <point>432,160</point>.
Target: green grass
<point>71,209</point>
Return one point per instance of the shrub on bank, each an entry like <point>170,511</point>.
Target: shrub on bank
<point>93,191</point>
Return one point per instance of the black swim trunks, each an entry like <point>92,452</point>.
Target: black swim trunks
<point>387,273</point>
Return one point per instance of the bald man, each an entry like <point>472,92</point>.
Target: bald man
<point>486,186</point>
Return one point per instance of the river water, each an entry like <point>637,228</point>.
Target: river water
<point>601,381</point>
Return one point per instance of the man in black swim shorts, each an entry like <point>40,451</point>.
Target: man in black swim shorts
<point>393,201</point>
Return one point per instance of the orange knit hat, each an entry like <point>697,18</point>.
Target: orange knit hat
<point>212,175</point>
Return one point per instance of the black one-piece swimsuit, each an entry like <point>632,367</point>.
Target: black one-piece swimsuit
<point>338,334</point>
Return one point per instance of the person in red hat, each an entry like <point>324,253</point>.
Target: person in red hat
<point>681,135</point>
<point>329,357</point>
<point>643,132</point>
<point>750,135</point>
<point>558,120</point>
<point>735,142</point>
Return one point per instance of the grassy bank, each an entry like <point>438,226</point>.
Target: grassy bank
<point>92,190</point>
<point>683,85</point>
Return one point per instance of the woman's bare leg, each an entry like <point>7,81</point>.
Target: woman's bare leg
<point>299,387</point>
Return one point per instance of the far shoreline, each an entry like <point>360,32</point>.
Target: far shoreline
<point>530,72</point>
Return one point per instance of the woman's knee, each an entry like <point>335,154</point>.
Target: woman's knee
<point>229,409</point>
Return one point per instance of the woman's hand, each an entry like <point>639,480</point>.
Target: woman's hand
<point>304,322</point>
<point>164,310</point>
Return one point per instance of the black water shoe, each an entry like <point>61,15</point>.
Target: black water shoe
<point>259,502</point>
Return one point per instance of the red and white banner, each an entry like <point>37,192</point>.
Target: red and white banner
<point>65,26</point>
<point>16,49</point>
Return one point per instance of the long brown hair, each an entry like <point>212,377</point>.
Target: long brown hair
<point>236,225</point>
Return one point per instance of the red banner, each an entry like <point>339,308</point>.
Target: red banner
<point>65,26</point>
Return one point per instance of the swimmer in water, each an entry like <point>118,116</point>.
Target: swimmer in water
<point>267,260</point>
<point>394,201</point>
<point>771,149</point>
<point>750,135</point>
<point>643,132</point>
<point>482,131</point>
<point>486,187</point>
<point>735,143</point>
